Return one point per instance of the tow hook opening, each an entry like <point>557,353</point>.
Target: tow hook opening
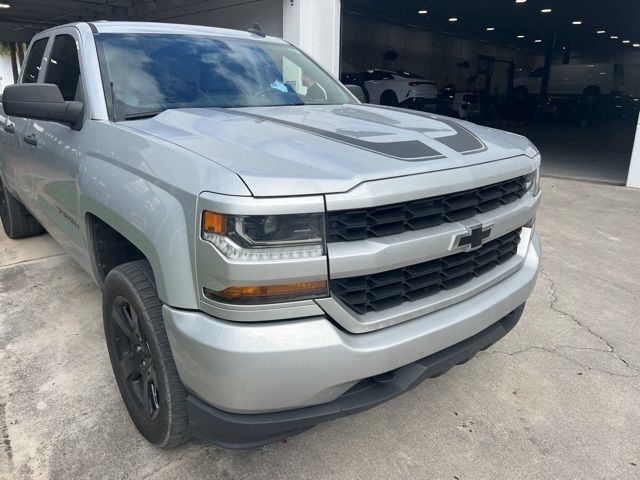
<point>386,377</point>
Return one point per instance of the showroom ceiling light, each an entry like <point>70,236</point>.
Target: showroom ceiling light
<point>520,36</point>
<point>546,10</point>
<point>600,32</point>
<point>423,12</point>
<point>636,45</point>
<point>521,1</point>
<point>577,22</point>
<point>5,5</point>
<point>614,37</point>
<point>490,29</point>
<point>626,41</point>
<point>453,19</point>
<point>537,40</point>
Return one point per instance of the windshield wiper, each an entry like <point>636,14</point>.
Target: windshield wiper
<point>141,115</point>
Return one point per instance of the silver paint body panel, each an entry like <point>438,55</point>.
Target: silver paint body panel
<point>151,180</point>
<point>264,367</point>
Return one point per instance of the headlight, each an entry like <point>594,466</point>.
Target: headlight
<point>265,237</point>
<point>532,182</point>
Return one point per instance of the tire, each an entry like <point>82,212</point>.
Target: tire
<point>141,357</point>
<point>389,98</point>
<point>591,95</point>
<point>16,219</point>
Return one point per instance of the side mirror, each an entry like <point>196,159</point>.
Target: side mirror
<point>357,92</point>
<point>42,101</point>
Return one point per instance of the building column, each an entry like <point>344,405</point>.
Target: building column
<point>314,27</point>
<point>633,178</point>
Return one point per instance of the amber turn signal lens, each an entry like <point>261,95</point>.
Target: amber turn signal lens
<point>270,293</point>
<point>214,223</point>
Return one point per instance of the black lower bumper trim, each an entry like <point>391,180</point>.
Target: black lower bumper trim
<point>233,430</point>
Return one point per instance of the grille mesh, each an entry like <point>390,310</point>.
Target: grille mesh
<point>349,225</point>
<point>388,289</point>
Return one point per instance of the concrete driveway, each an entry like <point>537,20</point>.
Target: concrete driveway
<point>557,398</point>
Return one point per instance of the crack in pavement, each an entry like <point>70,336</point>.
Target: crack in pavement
<point>29,260</point>
<point>554,307</point>
<point>556,348</point>
<point>555,351</point>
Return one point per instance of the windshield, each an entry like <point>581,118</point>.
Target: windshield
<point>150,73</point>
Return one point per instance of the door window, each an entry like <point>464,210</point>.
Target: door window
<point>64,67</point>
<point>32,66</point>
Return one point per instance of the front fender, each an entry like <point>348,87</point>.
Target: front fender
<point>158,222</point>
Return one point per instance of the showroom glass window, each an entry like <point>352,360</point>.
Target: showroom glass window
<point>151,72</point>
<point>64,67</point>
<point>32,65</point>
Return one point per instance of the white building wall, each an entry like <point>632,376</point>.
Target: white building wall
<point>633,178</point>
<point>6,73</point>
<point>314,27</point>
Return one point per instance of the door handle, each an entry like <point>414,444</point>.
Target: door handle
<point>9,128</point>
<point>30,139</point>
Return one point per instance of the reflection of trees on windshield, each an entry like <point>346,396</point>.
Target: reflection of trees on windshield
<point>155,72</point>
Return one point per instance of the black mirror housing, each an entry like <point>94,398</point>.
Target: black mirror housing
<point>42,101</point>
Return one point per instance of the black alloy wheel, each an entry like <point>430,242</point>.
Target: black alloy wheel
<point>141,356</point>
<point>134,358</point>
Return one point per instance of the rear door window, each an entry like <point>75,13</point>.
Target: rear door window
<point>64,67</point>
<point>32,65</point>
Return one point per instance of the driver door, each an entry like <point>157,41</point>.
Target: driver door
<point>16,151</point>
<point>56,159</point>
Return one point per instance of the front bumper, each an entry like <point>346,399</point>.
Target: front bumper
<point>259,368</point>
<point>237,430</point>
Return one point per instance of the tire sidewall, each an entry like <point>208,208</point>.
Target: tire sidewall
<point>117,284</point>
<point>389,98</point>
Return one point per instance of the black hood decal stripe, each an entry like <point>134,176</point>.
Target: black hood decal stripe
<point>409,151</point>
<point>463,142</point>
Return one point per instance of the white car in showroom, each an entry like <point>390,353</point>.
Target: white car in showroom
<point>398,89</point>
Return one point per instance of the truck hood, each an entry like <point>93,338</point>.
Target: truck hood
<point>305,150</point>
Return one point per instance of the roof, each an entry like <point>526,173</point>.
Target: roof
<point>168,28</point>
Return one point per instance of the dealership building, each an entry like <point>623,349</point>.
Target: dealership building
<point>587,133</point>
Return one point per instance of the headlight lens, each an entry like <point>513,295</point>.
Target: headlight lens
<point>265,237</point>
<point>532,182</point>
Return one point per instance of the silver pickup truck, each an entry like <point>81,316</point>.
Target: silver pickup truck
<point>272,253</point>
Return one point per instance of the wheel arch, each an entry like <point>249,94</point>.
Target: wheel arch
<point>389,92</point>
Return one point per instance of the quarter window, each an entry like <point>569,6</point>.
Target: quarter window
<point>32,66</point>
<point>64,67</point>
